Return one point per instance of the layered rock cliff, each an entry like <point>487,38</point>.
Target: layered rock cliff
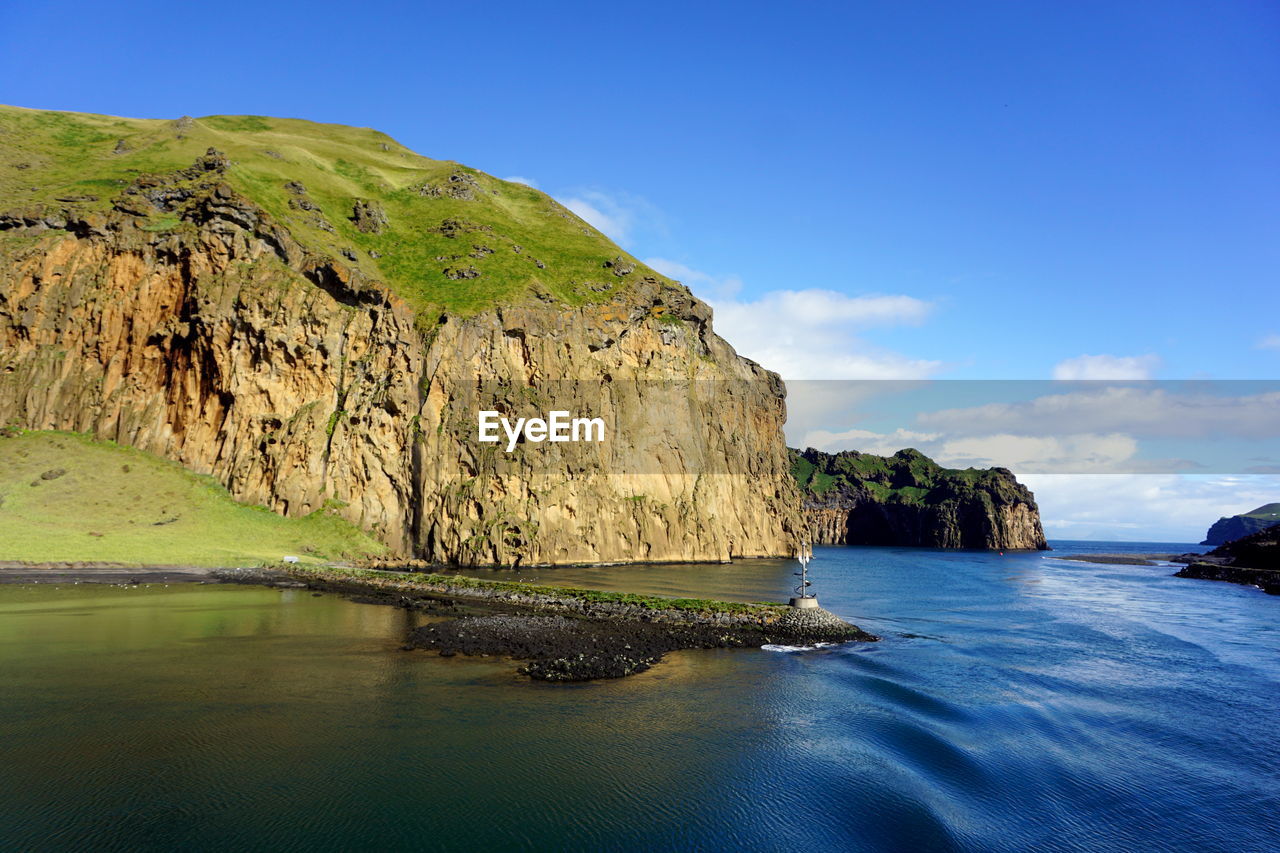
<point>853,498</point>
<point>179,315</point>
<point>1227,529</point>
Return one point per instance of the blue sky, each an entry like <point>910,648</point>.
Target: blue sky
<point>987,190</point>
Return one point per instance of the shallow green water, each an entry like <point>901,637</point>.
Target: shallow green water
<point>208,716</point>
<point>1016,702</point>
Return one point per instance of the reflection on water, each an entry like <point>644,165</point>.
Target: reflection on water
<point>1016,702</point>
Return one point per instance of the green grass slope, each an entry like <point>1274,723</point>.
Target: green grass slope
<point>1267,512</point>
<point>907,477</point>
<point>454,238</point>
<point>64,497</point>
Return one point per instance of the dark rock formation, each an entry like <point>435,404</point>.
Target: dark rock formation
<point>1260,550</point>
<point>1253,560</point>
<point>853,498</point>
<point>369,216</point>
<point>567,635</point>
<point>1237,526</point>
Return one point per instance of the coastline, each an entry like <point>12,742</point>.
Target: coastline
<point>568,634</point>
<point>1267,580</point>
<point>558,633</point>
<point>107,573</point>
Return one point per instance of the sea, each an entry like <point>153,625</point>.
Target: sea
<point>1016,702</point>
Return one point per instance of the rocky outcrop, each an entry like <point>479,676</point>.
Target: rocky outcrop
<point>189,323</point>
<point>1237,526</point>
<point>568,634</point>
<point>1253,560</point>
<point>853,498</point>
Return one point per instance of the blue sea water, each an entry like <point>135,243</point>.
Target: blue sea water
<point>1016,702</point>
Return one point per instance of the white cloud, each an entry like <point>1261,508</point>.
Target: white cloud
<point>810,334</point>
<point>866,441</point>
<point>612,225</point>
<point>807,334</point>
<point>1113,367</point>
<point>1271,341</point>
<point>1143,507</point>
<point>1145,411</point>
<point>705,285</point>
<point>619,216</point>
<point>517,179</point>
<point>1078,453</point>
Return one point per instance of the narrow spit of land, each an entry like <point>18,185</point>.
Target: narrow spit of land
<point>559,633</point>
<point>563,633</point>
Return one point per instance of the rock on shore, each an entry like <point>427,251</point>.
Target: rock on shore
<point>1253,560</point>
<point>564,648</point>
<point>572,635</point>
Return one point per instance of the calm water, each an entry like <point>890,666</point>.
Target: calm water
<point>1017,702</point>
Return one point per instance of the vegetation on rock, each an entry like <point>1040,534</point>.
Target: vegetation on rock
<point>401,218</point>
<point>460,585</point>
<point>313,315</point>
<point>857,498</point>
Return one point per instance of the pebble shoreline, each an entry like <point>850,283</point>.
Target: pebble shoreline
<point>563,638</point>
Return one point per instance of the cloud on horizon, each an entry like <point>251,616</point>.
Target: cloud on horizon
<point>1067,454</point>
<point>1142,411</point>
<point>1150,507</point>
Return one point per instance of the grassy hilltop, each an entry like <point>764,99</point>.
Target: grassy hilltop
<point>439,234</point>
<point>67,498</point>
<point>907,477</point>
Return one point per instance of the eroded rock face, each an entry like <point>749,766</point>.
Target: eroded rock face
<point>1228,529</point>
<point>907,499</point>
<point>300,385</point>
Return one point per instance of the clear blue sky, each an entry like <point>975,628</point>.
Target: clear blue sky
<point>1049,179</point>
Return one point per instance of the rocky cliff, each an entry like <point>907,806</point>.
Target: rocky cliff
<point>318,331</point>
<point>853,498</point>
<point>1227,529</point>
<point>1252,560</point>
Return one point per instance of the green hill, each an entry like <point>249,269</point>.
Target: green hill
<point>1233,527</point>
<point>1267,512</point>
<point>64,498</point>
<point>439,234</point>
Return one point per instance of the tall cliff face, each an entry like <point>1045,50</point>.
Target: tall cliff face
<point>182,317</point>
<point>1227,529</point>
<point>853,498</point>
<point>1257,550</point>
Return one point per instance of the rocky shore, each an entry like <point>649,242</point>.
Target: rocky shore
<point>559,633</point>
<point>564,634</point>
<point>1253,560</point>
<point>1267,580</point>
